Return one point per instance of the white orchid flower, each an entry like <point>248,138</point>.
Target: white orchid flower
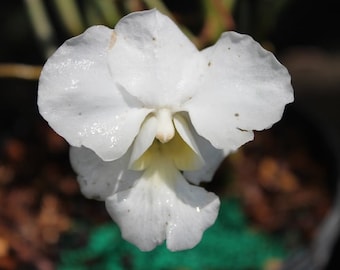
<point>149,117</point>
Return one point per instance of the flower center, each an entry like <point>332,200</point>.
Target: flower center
<point>175,154</point>
<point>165,127</point>
<point>165,137</point>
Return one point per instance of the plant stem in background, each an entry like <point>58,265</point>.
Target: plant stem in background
<point>69,14</point>
<point>41,26</point>
<point>20,71</point>
<point>110,11</point>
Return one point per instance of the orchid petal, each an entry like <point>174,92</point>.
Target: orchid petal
<point>244,88</point>
<point>142,142</point>
<point>99,179</point>
<point>163,206</point>
<point>194,211</point>
<point>153,60</point>
<point>210,156</point>
<point>81,101</point>
<point>212,159</point>
<point>186,131</point>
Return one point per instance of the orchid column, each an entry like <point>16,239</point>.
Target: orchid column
<point>149,117</point>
